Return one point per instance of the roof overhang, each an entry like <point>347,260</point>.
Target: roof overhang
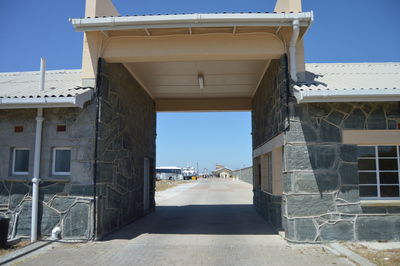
<point>191,20</point>
<point>356,95</point>
<point>46,102</point>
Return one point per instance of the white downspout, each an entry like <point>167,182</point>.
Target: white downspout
<point>292,50</point>
<point>36,162</point>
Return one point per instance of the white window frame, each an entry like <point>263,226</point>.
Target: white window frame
<point>13,161</point>
<point>53,167</point>
<point>377,173</point>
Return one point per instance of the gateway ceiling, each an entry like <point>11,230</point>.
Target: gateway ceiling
<point>227,79</point>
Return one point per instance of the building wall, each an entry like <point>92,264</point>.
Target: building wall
<point>66,201</point>
<point>126,135</point>
<point>244,174</point>
<point>269,119</point>
<point>321,189</point>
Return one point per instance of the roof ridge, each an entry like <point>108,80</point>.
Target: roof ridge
<point>54,71</point>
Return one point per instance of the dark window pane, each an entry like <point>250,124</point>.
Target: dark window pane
<point>63,161</point>
<point>366,164</point>
<point>388,164</point>
<point>21,163</point>
<point>389,191</point>
<point>366,151</point>
<point>367,178</point>
<point>387,151</point>
<point>368,191</point>
<point>389,178</point>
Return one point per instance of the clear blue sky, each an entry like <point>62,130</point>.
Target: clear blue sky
<point>343,31</point>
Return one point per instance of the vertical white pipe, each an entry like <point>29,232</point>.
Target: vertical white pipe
<point>292,50</point>
<point>42,72</point>
<point>36,161</point>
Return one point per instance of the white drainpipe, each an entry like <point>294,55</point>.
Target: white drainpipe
<point>36,161</point>
<point>292,50</point>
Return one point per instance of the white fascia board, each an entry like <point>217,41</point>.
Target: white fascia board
<point>190,20</point>
<point>46,102</point>
<point>277,141</point>
<point>317,96</point>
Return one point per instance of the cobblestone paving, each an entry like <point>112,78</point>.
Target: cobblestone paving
<point>211,223</point>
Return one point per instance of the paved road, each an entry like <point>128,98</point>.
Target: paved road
<point>211,222</point>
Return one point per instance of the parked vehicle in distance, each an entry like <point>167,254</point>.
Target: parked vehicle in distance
<point>189,172</point>
<point>169,173</point>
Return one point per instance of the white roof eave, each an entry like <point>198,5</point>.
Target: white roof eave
<point>357,95</point>
<point>190,20</point>
<point>46,102</point>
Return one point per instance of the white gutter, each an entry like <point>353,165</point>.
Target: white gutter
<point>292,50</point>
<point>36,161</point>
<point>191,20</point>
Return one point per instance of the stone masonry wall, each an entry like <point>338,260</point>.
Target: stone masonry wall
<point>270,104</point>
<point>126,135</point>
<point>244,174</point>
<point>66,201</point>
<point>269,119</point>
<point>321,197</point>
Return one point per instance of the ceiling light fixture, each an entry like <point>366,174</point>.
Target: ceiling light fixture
<point>201,81</point>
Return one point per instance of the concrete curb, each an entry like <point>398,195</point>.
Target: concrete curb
<point>23,251</point>
<point>350,254</point>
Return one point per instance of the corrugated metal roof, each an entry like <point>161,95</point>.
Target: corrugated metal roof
<point>58,83</point>
<point>193,13</point>
<point>341,81</point>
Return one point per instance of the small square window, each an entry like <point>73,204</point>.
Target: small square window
<point>18,129</point>
<point>61,128</point>
<point>61,161</point>
<point>20,161</point>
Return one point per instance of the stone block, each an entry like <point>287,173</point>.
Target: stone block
<point>315,181</point>
<point>329,132</point>
<point>337,231</point>
<point>81,190</point>
<point>290,230</point>
<point>319,109</point>
<point>62,204</point>
<point>370,228</point>
<point>301,132</point>
<point>348,174</point>
<point>349,193</point>
<point>349,208</point>
<point>393,209</point>
<point>344,107</point>
<point>4,194</point>
<point>105,172</point>
<point>48,219</point>
<point>355,120</point>
<point>17,193</point>
<point>297,157</point>
<point>392,110</point>
<point>48,192</point>
<point>76,223</point>
<point>335,118</point>
<point>305,230</point>
<point>348,153</point>
<point>374,209</point>
<point>322,156</point>
<point>377,119</point>
<point>308,205</point>
<point>23,226</point>
<point>392,124</point>
<point>114,199</point>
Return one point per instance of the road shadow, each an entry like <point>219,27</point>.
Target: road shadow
<point>197,219</point>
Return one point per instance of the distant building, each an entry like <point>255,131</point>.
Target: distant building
<point>222,171</point>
